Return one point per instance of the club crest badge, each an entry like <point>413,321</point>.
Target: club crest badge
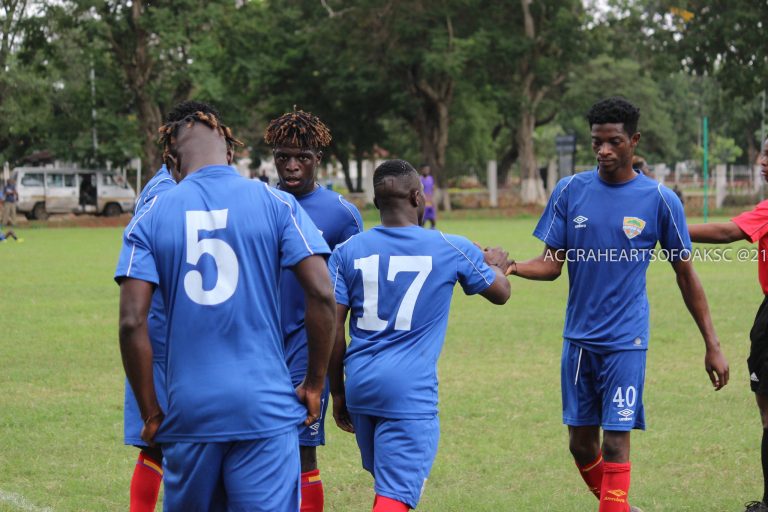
<point>633,226</point>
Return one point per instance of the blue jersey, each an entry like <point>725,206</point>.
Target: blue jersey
<point>337,220</point>
<point>132,422</point>
<point>215,245</point>
<point>610,233</point>
<point>398,284</point>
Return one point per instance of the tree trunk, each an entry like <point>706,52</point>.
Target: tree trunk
<point>344,161</point>
<point>532,188</point>
<point>360,157</point>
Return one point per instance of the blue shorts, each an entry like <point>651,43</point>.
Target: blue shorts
<point>296,360</point>
<point>132,422</point>
<point>398,453</point>
<point>603,389</point>
<point>258,475</point>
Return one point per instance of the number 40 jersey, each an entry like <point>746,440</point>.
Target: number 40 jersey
<point>398,283</point>
<point>215,245</point>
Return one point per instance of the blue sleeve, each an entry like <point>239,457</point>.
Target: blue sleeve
<point>299,237</point>
<point>355,223</point>
<point>136,259</point>
<point>673,231</point>
<point>161,182</point>
<point>337,278</point>
<point>552,226</point>
<point>474,274</point>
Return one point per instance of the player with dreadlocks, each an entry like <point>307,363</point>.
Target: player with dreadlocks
<point>228,430</point>
<point>297,139</point>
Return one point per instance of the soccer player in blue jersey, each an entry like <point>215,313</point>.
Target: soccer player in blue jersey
<point>398,279</point>
<point>148,471</point>
<point>297,139</point>
<point>215,246</point>
<point>605,223</point>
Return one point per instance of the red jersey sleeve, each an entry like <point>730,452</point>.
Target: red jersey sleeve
<point>754,222</point>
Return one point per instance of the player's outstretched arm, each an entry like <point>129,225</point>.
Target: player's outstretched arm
<point>716,233</point>
<point>136,350</point>
<point>336,373</point>
<point>715,363</point>
<point>546,267</point>
<point>320,323</point>
<point>499,291</point>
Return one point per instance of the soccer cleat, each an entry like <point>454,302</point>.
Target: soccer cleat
<point>755,506</point>
<point>633,508</point>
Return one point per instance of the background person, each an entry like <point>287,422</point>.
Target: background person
<point>430,209</point>
<point>752,226</point>
<point>10,198</point>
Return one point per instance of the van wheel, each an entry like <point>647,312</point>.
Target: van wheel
<point>38,212</point>
<point>112,210</point>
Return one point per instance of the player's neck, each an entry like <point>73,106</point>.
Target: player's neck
<point>399,219</point>
<point>619,176</point>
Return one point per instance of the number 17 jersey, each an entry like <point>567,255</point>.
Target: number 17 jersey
<point>398,283</point>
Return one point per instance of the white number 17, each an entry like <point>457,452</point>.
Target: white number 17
<point>369,266</point>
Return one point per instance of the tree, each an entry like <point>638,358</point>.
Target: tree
<point>530,47</point>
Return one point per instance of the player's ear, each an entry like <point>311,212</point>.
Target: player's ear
<point>635,139</point>
<point>230,155</point>
<point>415,197</point>
<point>318,156</point>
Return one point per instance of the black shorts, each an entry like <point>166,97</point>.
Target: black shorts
<point>757,363</point>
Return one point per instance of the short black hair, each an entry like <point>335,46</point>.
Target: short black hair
<point>615,110</point>
<point>190,112</point>
<point>392,168</point>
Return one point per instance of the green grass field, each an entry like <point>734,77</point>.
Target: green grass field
<point>503,447</point>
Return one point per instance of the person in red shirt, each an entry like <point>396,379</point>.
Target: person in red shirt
<point>752,226</point>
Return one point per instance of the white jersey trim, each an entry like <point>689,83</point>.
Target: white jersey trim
<point>672,215</point>
<point>149,193</point>
<point>343,203</point>
<point>465,257</point>
<point>554,212</point>
<point>293,218</point>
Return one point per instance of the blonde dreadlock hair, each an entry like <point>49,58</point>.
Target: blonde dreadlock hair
<point>190,112</point>
<point>297,129</point>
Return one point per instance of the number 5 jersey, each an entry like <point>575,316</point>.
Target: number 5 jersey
<point>215,246</point>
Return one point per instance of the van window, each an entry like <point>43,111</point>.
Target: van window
<point>113,180</point>
<point>32,180</point>
<point>60,180</point>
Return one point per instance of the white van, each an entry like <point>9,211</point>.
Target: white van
<point>43,191</point>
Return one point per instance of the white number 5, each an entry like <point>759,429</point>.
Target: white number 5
<point>227,267</point>
<point>369,266</point>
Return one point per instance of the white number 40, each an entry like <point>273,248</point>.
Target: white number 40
<point>228,270</point>
<point>369,266</point>
<point>620,397</point>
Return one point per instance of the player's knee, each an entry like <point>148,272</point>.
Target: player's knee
<point>616,446</point>
<point>583,451</point>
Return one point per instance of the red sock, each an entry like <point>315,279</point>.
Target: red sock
<point>384,504</point>
<point>145,484</point>
<point>311,492</point>
<point>614,493</point>
<point>592,474</point>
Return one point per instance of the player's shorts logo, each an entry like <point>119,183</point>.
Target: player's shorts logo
<point>633,226</point>
<point>626,413</point>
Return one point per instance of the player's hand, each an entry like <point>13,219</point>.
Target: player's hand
<point>717,368</point>
<point>341,414</point>
<point>312,399</point>
<point>497,257</point>
<point>150,428</point>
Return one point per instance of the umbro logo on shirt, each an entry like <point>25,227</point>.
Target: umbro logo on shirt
<point>580,221</point>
